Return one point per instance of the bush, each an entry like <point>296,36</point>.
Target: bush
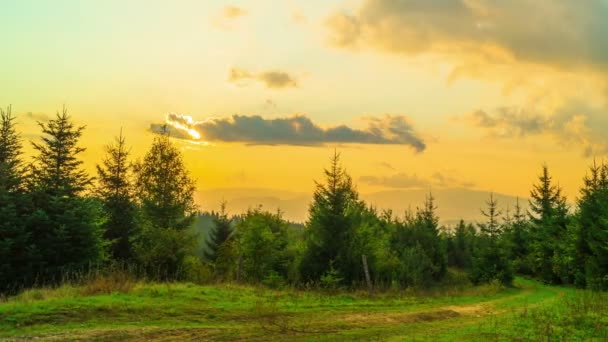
<point>197,271</point>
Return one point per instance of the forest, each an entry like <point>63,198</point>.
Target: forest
<point>138,218</point>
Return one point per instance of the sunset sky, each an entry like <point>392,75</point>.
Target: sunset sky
<point>470,95</point>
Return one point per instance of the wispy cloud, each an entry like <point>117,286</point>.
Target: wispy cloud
<point>574,124</point>
<point>292,130</point>
<point>232,12</point>
<point>272,79</point>
<point>228,16</point>
<point>402,180</point>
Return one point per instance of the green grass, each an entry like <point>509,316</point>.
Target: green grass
<point>181,311</point>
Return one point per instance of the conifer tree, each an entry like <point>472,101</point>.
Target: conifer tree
<point>490,261</point>
<point>14,252</point>
<point>517,240</point>
<point>220,232</point>
<point>115,189</point>
<point>590,236</point>
<point>429,238</point>
<point>460,245</point>
<point>329,229</point>
<point>65,225</point>
<point>549,219</point>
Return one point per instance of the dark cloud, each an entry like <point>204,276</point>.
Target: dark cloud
<point>272,79</point>
<point>294,130</point>
<point>403,180</point>
<point>558,32</point>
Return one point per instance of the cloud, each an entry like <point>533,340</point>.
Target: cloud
<point>399,180</point>
<point>574,124</point>
<point>299,18</point>
<point>273,79</point>
<point>402,180</point>
<point>559,32</point>
<point>292,130</point>
<point>226,19</point>
<point>37,116</point>
<point>231,12</point>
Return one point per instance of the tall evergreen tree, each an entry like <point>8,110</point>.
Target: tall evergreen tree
<point>429,238</point>
<point>549,218</point>
<point>14,251</point>
<point>590,231</point>
<point>220,232</point>
<point>329,229</point>
<point>65,225</point>
<point>165,193</point>
<point>517,240</point>
<point>491,262</point>
<point>115,189</point>
<point>460,245</point>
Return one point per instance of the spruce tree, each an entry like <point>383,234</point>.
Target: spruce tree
<point>590,231</point>
<point>220,232</point>
<point>115,189</point>
<point>491,262</point>
<point>549,219</point>
<point>165,193</point>
<point>329,229</point>
<point>14,251</point>
<point>429,239</point>
<point>65,225</point>
<point>460,245</point>
<point>517,240</point>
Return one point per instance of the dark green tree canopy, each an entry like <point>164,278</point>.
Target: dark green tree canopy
<point>56,168</point>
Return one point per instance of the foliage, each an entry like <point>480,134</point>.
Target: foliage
<point>261,245</point>
<point>490,260</point>
<point>165,193</point>
<point>219,234</point>
<point>14,238</point>
<point>549,220</point>
<point>330,230</point>
<point>115,190</point>
<point>65,226</point>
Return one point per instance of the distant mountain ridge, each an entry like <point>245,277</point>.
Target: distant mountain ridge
<point>453,203</point>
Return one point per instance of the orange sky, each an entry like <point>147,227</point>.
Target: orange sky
<point>472,95</point>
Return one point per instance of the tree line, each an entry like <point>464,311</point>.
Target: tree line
<point>56,219</point>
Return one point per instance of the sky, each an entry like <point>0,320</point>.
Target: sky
<point>446,95</point>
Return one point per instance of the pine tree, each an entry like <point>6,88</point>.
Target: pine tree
<point>56,166</point>
<point>590,231</point>
<point>115,189</point>
<point>491,261</point>
<point>491,227</point>
<point>219,233</point>
<point>165,193</point>
<point>429,238</point>
<point>329,229</point>
<point>460,245</point>
<point>65,225</point>
<point>14,252</point>
<point>549,219</point>
<point>517,240</point>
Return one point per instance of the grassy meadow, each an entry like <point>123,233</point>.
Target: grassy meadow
<point>115,308</point>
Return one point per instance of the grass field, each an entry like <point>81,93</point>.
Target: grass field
<point>182,311</point>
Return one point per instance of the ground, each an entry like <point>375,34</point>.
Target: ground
<point>529,311</point>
